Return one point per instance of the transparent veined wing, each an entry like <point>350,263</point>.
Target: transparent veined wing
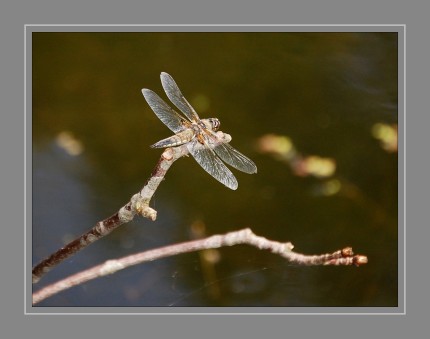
<point>207,159</point>
<point>174,94</point>
<point>234,158</point>
<point>163,111</point>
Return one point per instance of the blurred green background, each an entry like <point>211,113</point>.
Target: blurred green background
<point>317,113</point>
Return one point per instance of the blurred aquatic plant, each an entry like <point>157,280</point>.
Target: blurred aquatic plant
<point>282,148</point>
<point>387,136</point>
<point>329,182</point>
<point>67,141</point>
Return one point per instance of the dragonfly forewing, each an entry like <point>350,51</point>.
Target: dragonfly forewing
<point>163,111</point>
<point>175,95</point>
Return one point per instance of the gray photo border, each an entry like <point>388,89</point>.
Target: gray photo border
<point>400,29</point>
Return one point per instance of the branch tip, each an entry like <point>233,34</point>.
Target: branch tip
<point>360,260</point>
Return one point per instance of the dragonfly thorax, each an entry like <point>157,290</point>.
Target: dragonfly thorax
<point>211,123</point>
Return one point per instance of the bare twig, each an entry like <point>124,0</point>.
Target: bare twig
<point>138,204</point>
<point>246,236</point>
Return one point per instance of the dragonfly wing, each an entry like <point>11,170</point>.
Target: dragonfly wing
<point>207,159</point>
<point>163,111</point>
<point>174,94</point>
<point>234,158</point>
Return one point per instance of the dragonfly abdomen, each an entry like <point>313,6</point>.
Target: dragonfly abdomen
<point>176,140</point>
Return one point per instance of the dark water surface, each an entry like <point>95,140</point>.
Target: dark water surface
<point>331,95</point>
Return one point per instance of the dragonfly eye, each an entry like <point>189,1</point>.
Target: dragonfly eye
<point>215,123</point>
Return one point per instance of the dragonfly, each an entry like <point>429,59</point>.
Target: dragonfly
<point>199,135</point>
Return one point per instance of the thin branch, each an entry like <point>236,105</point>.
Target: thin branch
<point>138,204</point>
<point>343,257</point>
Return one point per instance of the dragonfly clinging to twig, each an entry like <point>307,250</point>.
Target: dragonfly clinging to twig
<point>199,135</point>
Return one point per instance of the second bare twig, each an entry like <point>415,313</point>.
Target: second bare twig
<point>344,257</point>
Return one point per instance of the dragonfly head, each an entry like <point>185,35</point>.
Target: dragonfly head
<point>215,124</point>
